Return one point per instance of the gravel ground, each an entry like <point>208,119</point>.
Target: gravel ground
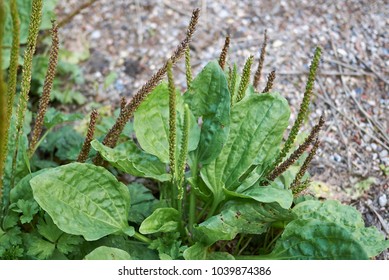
<point>134,38</point>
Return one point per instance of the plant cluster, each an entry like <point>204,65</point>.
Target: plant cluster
<point>224,183</point>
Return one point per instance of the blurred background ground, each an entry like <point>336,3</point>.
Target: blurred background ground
<point>130,40</point>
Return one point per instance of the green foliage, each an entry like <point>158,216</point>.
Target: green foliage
<point>83,199</point>
<point>347,217</point>
<point>65,144</point>
<point>143,203</point>
<point>208,97</point>
<point>24,11</point>
<point>169,246</point>
<point>128,158</point>
<point>240,217</point>
<point>161,220</point>
<point>257,126</point>
<point>107,253</point>
<point>315,239</point>
<point>151,124</point>
<point>220,141</point>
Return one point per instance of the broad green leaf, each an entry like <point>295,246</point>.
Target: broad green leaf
<point>108,253</point>
<point>199,251</point>
<point>282,182</point>
<point>137,250</point>
<point>143,202</point>
<point>240,217</point>
<point>128,158</point>
<point>319,240</point>
<point>208,97</point>
<point>162,220</point>
<point>257,126</point>
<point>83,199</point>
<point>346,216</point>
<point>151,123</point>
<point>266,194</point>
<point>330,210</point>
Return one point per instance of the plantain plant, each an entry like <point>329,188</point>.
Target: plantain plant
<point>222,183</point>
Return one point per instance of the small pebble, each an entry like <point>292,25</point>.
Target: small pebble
<point>366,138</point>
<point>95,34</point>
<point>382,200</point>
<point>337,158</point>
<point>374,146</point>
<point>383,153</point>
<point>342,52</point>
<point>277,43</point>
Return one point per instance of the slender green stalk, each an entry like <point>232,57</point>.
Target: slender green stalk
<point>3,106</point>
<point>302,114</point>
<point>172,122</point>
<point>35,20</point>
<point>183,153</point>
<point>203,210</point>
<point>142,238</point>
<point>48,84</point>
<point>215,204</point>
<point>188,67</point>
<point>245,79</point>
<point>245,245</point>
<point>13,68</point>
<point>232,75</point>
<point>192,196</point>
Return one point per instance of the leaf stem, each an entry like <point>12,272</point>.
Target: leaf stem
<point>206,206</point>
<point>192,197</point>
<point>215,204</point>
<point>142,238</point>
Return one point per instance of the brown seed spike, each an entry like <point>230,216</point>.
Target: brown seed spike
<point>303,169</point>
<point>270,81</point>
<point>48,84</point>
<point>123,103</point>
<point>258,73</point>
<point>298,152</point>
<point>112,136</point>
<point>223,54</point>
<point>89,136</point>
